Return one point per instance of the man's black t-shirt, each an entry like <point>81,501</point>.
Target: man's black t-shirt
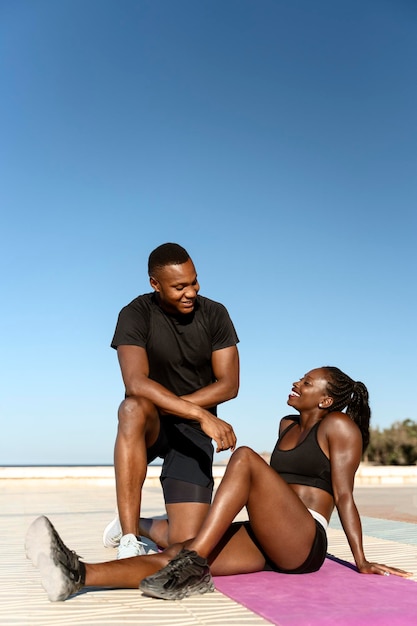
<point>179,348</point>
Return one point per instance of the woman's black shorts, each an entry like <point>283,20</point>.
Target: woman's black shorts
<point>312,563</point>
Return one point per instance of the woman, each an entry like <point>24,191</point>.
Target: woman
<point>289,505</point>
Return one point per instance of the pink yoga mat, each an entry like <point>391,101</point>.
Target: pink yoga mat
<point>335,595</point>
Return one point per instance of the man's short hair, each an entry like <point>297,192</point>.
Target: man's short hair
<point>166,254</point>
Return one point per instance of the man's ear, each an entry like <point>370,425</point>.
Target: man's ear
<point>326,403</point>
<point>154,283</point>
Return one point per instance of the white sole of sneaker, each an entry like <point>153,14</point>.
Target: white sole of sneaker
<point>112,534</point>
<point>38,549</point>
<point>38,540</point>
<point>53,580</point>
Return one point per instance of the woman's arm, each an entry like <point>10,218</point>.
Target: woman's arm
<point>345,450</point>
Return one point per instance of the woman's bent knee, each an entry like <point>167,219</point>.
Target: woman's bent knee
<point>244,454</point>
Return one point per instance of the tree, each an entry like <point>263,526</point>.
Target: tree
<point>396,445</point>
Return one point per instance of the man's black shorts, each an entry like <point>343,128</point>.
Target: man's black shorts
<point>186,450</point>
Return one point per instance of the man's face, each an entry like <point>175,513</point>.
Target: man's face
<point>177,287</point>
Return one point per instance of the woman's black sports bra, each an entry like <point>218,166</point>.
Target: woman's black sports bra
<point>306,464</point>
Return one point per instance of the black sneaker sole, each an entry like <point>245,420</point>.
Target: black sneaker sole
<point>204,586</point>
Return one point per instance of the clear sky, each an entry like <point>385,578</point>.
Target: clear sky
<point>275,140</point>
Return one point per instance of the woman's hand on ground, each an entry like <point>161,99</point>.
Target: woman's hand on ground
<point>383,570</point>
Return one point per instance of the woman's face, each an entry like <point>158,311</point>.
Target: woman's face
<point>310,391</point>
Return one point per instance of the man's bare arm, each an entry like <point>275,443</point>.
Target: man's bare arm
<point>134,366</point>
<point>225,364</point>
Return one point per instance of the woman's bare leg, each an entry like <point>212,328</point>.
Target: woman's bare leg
<point>127,573</point>
<point>63,573</point>
<point>236,553</point>
<point>280,521</point>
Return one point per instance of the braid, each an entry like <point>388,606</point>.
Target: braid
<point>352,395</point>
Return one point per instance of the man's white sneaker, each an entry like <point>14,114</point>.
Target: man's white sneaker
<point>130,546</point>
<point>112,533</point>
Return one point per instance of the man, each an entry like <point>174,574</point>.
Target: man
<point>178,358</point>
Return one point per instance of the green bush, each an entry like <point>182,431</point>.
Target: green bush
<point>396,445</point>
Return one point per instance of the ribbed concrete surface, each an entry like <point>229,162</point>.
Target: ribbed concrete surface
<point>80,509</point>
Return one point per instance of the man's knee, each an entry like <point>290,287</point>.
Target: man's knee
<point>136,412</point>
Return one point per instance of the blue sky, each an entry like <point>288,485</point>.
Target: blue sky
<point>275,140</point>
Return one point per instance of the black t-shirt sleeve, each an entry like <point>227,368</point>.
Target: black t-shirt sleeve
<point>132,325</point>
<point>223,331</point>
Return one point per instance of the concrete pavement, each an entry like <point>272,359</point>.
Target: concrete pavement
<point>81,507</point>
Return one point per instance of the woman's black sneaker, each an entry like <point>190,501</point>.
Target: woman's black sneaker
<point>61,570</point>
<point>187,574</point>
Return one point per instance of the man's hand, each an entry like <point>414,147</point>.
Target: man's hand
<point>220,431</point>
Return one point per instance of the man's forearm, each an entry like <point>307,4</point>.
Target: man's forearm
<point>214,394</point>
<point>165,400</point>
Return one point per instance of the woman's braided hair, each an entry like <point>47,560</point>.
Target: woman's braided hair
<point>353,396</point>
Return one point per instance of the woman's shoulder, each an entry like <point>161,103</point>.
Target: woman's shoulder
<point>339,424</point>
<point>336,415</point>
<point>288,420</point>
